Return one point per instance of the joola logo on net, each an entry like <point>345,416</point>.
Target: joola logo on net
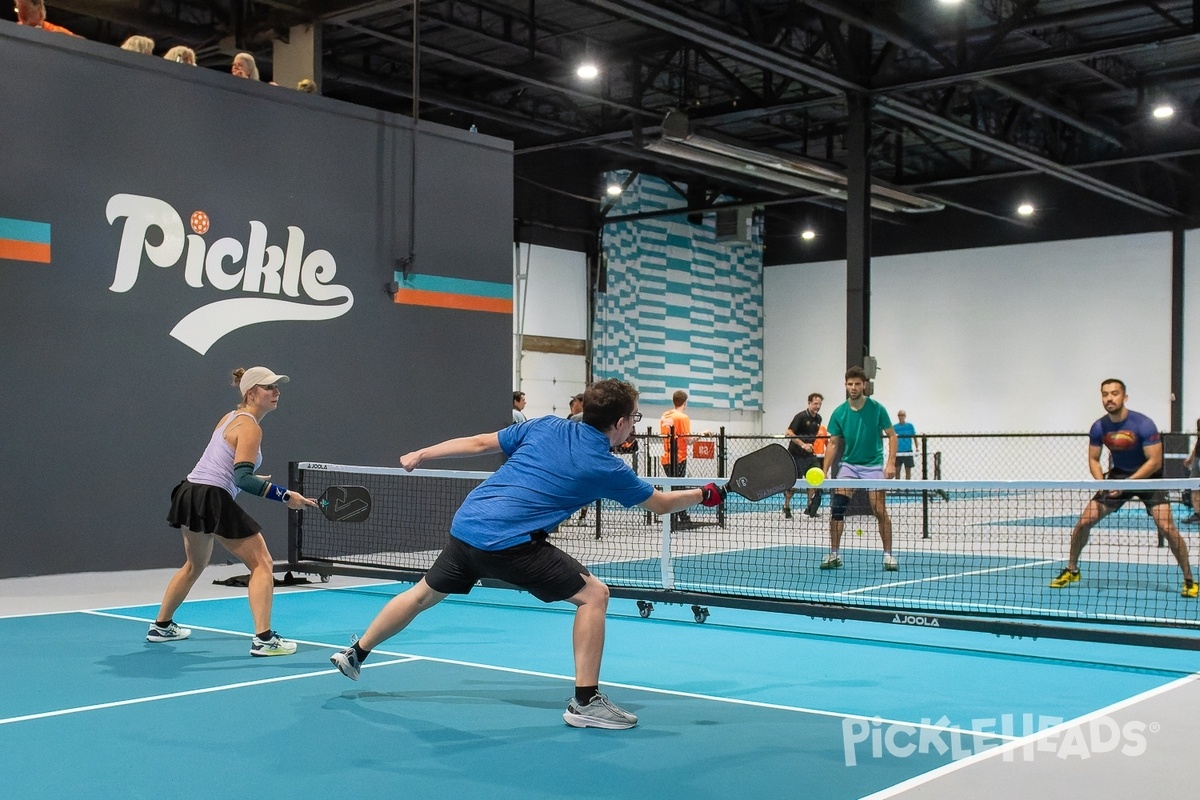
<point>277,283</point>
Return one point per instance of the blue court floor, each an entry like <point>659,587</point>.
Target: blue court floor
<point>467,703</point>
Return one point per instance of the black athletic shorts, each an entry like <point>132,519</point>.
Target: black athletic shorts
<point>805,462</point>
<point>536,566</point>
<point>904,461</point>
<point>209,509</point>
<point>1150,497</point>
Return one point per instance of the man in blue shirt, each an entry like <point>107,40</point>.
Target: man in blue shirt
<point>1135,453</point>
<point>905,435</point>
<point>554,467</point>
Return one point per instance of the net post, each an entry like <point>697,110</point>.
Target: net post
<point>649,466</point>
<point>597,522</point>
<point>666,566</point>
<point>722,454</point>
<point>295,483</point>
<point>925,514</point>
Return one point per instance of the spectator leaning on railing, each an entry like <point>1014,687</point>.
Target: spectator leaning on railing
<point>32,14</point>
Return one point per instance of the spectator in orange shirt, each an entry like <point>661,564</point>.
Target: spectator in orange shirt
<point>675,463</point>
<point>32,13</point>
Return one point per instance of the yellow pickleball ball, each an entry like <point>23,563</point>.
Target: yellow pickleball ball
<point>858,532</point>
<point>815,476</point>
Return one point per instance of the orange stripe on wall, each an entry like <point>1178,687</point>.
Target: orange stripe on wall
<point>25,251</point>
<point>414,297</point>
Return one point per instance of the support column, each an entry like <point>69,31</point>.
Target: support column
<point>1177,277</point>
<point>299,57</point>
<point>858,229</point>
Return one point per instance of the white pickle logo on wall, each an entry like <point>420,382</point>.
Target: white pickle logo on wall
<point>289,284</point>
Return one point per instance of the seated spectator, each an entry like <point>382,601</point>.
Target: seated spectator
<point>32,13</point>
<point>244,66</point>
<point>307,85</point>
<point>184,55</point>
<point>139,44</point>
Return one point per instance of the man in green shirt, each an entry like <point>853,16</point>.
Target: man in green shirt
<point>854,434</point>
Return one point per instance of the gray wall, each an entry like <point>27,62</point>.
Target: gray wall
<point>104,411</point>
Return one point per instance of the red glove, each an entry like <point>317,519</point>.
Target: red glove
<point>712,495</point>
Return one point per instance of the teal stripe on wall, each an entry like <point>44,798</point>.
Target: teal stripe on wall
<point>438,283</point>
<point>25,231</point>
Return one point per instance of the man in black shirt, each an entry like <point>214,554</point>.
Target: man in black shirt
<point>803,432</point>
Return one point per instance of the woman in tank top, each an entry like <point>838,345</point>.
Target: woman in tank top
<point>203,507</point>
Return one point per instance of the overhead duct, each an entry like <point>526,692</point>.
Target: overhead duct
<point>678,141</point>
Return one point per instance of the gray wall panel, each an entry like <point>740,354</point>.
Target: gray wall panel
<point>104,410</point>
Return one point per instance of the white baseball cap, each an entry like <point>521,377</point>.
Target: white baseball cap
<point>259,376</point>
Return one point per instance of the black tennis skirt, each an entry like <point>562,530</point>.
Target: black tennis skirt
<point>209,509</point>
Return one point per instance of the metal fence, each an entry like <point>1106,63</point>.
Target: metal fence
<point>937,456</point>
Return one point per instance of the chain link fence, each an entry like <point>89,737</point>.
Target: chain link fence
<point>936,456</point>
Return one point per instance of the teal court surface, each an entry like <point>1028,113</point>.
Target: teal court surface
<point>468,702</point>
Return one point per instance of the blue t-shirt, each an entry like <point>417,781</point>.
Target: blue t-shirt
<point>555,467</point>
<point>904,433</point>
<point>1125,439</point>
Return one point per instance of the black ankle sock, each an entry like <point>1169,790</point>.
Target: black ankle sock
<point>163,624</point>
<point>265,635</point>
<point>362,654</point>
<point>586,694</point>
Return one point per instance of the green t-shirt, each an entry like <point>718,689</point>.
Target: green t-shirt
<point>860,431</point>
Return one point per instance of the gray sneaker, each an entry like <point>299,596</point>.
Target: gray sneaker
<point>171,633</point>
<point>600,713</point>
<point>347,663</point>
<point>275,646</point>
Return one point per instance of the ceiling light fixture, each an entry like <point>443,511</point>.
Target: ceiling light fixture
<point>1025,209</point>
<point>588,71</point>
<point>613,189</point>
<point>808,235</point>
<point>783,169</point>
<point>1163,111</point>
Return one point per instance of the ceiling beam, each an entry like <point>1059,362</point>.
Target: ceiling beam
<point>650,14</point>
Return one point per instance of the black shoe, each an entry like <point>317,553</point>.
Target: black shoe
<point>810,511</point>
<point>1192,520</point>
<point>787,512</point>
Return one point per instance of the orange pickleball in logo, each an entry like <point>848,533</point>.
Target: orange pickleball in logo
<point>200,222</point>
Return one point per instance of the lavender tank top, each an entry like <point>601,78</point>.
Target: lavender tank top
<point>215,467</point>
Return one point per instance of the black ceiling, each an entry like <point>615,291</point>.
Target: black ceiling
<point>976,106</point>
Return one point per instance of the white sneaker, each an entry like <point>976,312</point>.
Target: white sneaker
<point>347,663</point>
<point>171,633</point>
<point>890,564</point>
<point>832,561</point>
<point>274,646</point>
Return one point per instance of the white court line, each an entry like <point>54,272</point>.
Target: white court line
<point>188,693</point>
<point>408,658</point>
<point>298,589</point>
<point>949,577</point>
<point>1024,741</point>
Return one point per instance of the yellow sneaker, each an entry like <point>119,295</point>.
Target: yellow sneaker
<point>1064,578</point>
<point>1190,589</point>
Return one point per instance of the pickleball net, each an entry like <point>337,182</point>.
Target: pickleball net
<point>977,555</point>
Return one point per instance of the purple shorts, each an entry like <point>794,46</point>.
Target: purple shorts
<point>855,472</point>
